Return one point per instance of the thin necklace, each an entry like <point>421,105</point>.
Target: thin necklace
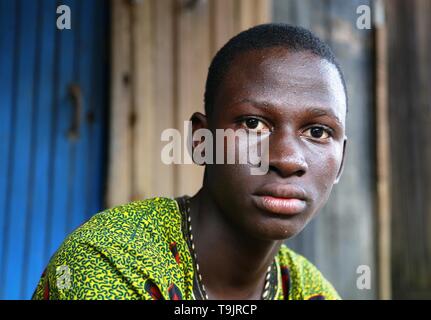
<point>270,273</point>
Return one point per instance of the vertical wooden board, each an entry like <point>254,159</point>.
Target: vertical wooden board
<point>18,196</point>
<point>396,85</point>
<point>8,34</point>
<point>409,110</point>
<point>143,105</point>
<point>401,114</point>
<point>423,47</point>
<point>423,25</point>
<point>285,11</point>
<point>193,60</point>
<point>383,161</point>
<point>263,9</point>
<point>252,12</point>
<point>64,117</point>
<point>223,23</point>
<point>34,261</point>
<point>245,14</point>
<point>120,153</point>
<point>309,14</point>
<point>163,94</point>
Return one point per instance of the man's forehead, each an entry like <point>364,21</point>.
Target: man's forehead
<point>289,69</point>
<point>284,78</point>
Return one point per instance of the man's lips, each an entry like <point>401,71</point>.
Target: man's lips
<point>281,199</point>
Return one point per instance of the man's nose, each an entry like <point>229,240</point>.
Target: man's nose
<point>286,155</point>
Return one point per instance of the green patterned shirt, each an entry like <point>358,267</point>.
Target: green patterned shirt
<point>139,251</point>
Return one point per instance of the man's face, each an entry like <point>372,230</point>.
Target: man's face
<point>297,98</point>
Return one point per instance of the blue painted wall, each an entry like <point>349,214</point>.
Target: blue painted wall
<point>50,183</point>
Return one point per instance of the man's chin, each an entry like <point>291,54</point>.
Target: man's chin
<point>281,231</point>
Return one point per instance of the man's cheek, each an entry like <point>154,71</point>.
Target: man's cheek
<point>324,172</point>
<point>328,180</point>
<point>327,160</point>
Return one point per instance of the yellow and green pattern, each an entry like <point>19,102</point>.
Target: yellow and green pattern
<point>139,251</point>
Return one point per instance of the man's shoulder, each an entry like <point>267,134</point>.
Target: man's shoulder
<point>130,223</point>
<point>305,281</point>
<point>110,255</point>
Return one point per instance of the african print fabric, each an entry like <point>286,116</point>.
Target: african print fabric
<point>139,251</point>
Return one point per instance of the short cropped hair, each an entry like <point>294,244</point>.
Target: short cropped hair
<point>261,37</point>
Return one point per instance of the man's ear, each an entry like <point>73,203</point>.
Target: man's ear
<point>199,121</point>
<point>340,171</point>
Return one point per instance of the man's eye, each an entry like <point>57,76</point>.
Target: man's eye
<point>317,132</point>
<point>254,124</point>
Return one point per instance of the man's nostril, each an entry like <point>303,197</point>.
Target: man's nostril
<point>300,173</point>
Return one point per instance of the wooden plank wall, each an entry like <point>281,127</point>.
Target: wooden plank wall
<point>341,237</point>
<point>409,83</point>
<point>383,156</point>
<point>161,50</point>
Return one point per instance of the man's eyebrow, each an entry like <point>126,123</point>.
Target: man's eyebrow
<point>313,111</point>
<point>253,102</point>
<point>319,112</point>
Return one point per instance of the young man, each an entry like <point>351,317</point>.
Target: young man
<point>226,242</point>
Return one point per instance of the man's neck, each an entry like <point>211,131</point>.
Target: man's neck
<point>233,264</point>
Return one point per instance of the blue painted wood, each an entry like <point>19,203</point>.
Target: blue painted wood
<point>60,181</point>
<point>7,48</point>
<point>20,152</point>
<point>85,47</point>
<point>34,260</point>
<point>98,164</point>
<point>49,184</point>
